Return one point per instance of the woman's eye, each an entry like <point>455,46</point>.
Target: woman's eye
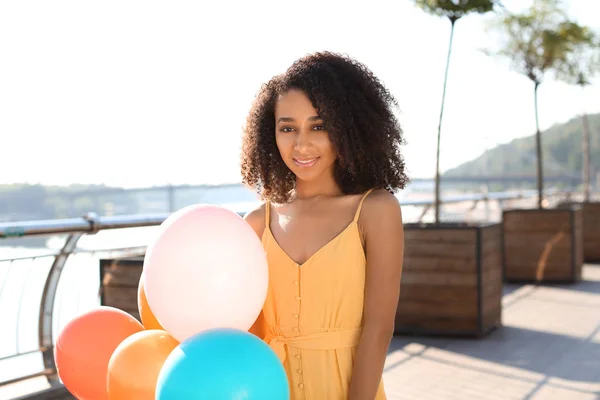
<point>286,129</point>
<point>318,127</point>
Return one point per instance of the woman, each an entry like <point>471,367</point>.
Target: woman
<point>321,146</point>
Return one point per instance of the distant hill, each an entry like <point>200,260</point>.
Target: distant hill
<point>21,202</point>
<point>24,202</point>
<point>561,147</point>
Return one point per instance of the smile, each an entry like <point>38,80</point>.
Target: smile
<point>308,162</point>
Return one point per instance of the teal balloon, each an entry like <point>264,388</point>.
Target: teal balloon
<point>222,364</point>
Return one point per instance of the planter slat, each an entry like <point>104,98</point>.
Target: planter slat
<point>529,221</point>
<point>432,263</point>
<point>447,249</point>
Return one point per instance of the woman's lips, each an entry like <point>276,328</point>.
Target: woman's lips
<point>305,162</point>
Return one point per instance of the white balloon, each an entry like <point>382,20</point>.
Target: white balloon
<point>206,269</point>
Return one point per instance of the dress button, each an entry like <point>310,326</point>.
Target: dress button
<point>296,315</point>
<point>299,371</point>
<point>298,356</point>
<point>295,329</point>
<point>296,283</point>
<point>301,385</point>
<point>298,297</point>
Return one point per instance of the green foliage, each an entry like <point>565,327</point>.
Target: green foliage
<point>455,9</point>
<point>540,40</point>
<point>582,62</point>
<point>561,150</point>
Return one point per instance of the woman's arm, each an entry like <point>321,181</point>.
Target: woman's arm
<point>256,219</point>
<point>381,223</point>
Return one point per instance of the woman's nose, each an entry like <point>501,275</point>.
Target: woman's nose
<point>302,141</point>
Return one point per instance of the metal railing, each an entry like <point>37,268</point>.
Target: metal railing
<point>76,228</point>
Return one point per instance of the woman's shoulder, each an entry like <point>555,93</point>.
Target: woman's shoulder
<point>380,204</point>
<point>256,218</point>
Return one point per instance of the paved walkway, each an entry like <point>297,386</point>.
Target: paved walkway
<point>548,348</point>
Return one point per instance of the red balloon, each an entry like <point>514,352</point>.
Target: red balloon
<point>84,348</point>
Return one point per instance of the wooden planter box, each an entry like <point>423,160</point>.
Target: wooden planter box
<point>119,279</point>
<point>451,281</point>
<point>543,245</point>
<point>591,228</point>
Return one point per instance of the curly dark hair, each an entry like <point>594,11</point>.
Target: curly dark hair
<point>357,111</point>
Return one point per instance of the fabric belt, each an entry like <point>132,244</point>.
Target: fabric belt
<point>338,339</point>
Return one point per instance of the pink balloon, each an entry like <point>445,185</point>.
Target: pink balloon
<point>206,269</point>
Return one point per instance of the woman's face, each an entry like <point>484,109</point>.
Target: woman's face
<point>301,138</point>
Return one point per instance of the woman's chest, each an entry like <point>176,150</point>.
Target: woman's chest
<point>302,236</point>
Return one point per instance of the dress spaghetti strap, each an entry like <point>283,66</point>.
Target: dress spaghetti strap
<point>360,204</point>
<point>267,214</point>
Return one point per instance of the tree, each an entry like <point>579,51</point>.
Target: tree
<point>578,69</point>
<point>453,10</point>
<point>538,41</point>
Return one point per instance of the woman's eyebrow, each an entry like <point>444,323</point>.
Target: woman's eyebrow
<point>285,119</point>
<point>289,119</point>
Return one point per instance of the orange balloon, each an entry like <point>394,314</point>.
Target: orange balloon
<point>146,314</point>
<point>85,345</point>
<point>134,366</point>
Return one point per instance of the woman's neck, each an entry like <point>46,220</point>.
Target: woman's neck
<point>325,187</point>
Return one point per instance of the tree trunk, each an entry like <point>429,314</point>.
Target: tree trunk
<point>538,147</point>
<point>437,158</point>
<point>586,158</point>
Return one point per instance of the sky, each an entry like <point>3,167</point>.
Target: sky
<point>141,93</point>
